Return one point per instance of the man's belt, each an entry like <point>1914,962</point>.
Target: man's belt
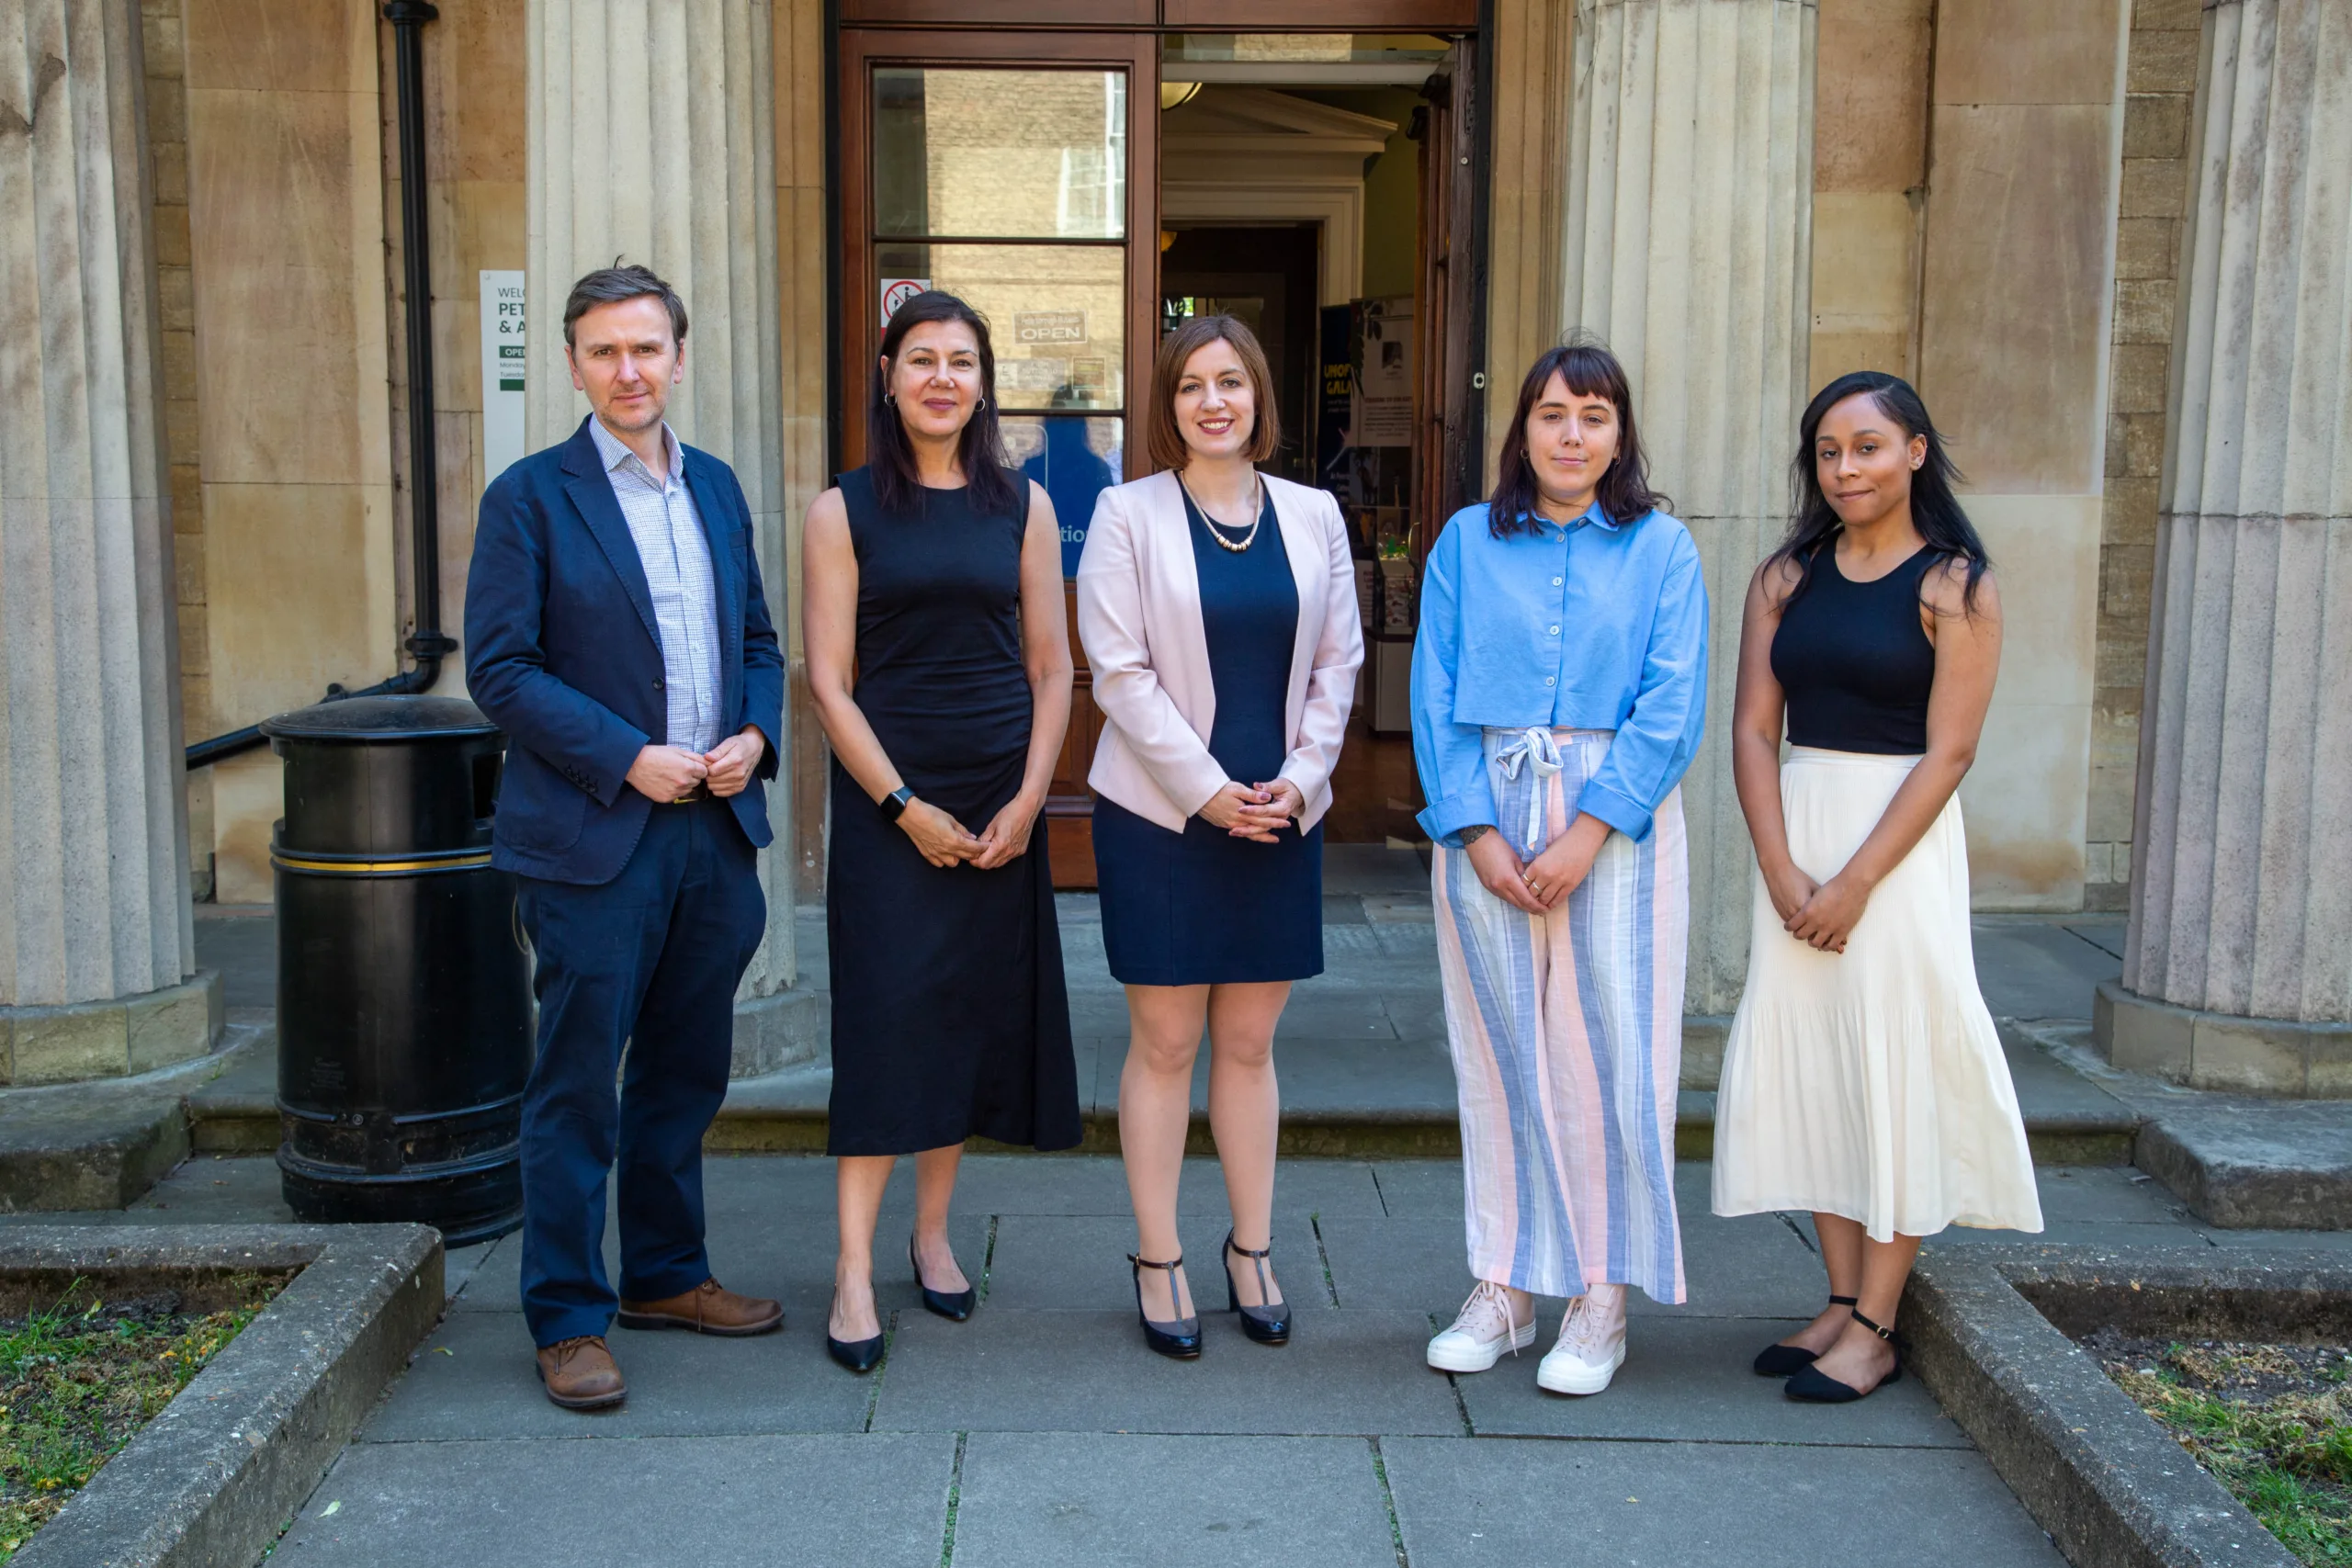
<point>700,791</point>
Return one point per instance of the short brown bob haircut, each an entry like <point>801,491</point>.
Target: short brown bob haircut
<point>1162,440</point>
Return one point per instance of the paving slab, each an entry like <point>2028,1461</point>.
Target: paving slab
<point>1153,1502</point>
<point>1690,1381</point>
<point>476,1377</point>
<point>1089,1371</point>
<point>1703,1505</point>
<point>2113,1193</point>
<point>1374,869</point>
<point>1071,1184</point>
<point>733,1502</point>
<point>1055,1262</point>
<point>241,944</point>
<point>786,1254</point>
<point>1752,1267</point>
<point>1420,1187</point>
<point>2032,966</point>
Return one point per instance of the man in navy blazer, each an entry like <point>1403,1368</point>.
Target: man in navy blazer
<point>616,631</point>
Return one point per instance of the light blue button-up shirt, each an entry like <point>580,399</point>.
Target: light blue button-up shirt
<point>675,554</point>
<point>1596,626</point>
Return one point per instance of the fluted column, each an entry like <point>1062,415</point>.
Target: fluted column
<point>652,136</point>
<point>96,958</point>
<point>1688,248</point>
<point>2238,968</point>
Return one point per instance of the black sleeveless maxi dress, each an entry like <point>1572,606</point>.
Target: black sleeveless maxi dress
<point>949,1018</point>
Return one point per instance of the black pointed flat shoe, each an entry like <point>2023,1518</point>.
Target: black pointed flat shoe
<point>1270,1324</point>
<point>857,1355</point>
<point>1812,1386</point>
<point>1178,1340</point>
<point>1785,1360</point>
<point>953,1305</point>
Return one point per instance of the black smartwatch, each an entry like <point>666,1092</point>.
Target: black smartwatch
<point>894,805</point>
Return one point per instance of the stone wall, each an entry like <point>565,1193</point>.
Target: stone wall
<point>289,267</point>
<point>164,51</point>
<point>2025,123</point>
<point>2160,82</point>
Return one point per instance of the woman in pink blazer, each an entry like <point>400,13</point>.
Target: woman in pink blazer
<point>1217,608</point>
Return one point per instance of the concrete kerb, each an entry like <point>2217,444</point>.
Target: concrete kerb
<point>1987,1334</point>
<point>218,1472</point>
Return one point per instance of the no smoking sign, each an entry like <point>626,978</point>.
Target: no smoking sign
<point>896,291</point>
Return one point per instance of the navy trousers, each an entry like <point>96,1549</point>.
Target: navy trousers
<point>650,958</point>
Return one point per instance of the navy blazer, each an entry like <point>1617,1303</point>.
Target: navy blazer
<point>562,654</point>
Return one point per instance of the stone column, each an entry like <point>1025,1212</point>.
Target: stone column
<point>2238,968</point>
<point>652,136</point>
<point>98,972</point>
<point>1688,248</point>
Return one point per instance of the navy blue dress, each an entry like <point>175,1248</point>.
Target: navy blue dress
<point>1202,906</point>
<point>949,1018</point>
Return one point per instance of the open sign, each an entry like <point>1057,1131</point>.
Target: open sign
<point>1041,328</point>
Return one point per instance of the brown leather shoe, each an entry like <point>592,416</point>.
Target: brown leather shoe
<point>581,1374</point>
<point>708,1308</point>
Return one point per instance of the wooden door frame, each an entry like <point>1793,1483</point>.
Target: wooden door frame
<point>860,49</point>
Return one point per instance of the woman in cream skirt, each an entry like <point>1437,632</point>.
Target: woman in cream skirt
<point>1863,1080</point>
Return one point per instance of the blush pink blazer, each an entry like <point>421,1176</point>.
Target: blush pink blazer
<point>1140,621</point>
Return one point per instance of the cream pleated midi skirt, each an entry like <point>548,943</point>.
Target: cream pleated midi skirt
<point>1870,1083</point>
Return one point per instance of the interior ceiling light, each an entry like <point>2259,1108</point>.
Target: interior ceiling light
<point>1174,95</point>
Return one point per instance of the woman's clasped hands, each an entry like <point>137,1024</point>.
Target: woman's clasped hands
<point>1254,811</point>
<point>1822,915</point>
<point>944,841</point>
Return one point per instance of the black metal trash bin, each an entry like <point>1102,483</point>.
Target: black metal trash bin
<point>403,982</point>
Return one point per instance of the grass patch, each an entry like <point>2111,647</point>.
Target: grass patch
<point>2272,1423</point>
<point>78,1381</point>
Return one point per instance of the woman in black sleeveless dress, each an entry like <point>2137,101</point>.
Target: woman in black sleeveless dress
<point>939,664</point>
<point>1862,1079</point>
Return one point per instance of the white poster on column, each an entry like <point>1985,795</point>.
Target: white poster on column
<point>501,372</point>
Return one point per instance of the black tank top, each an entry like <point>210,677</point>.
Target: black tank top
<point>940,675</point>
<point>1853,660</point>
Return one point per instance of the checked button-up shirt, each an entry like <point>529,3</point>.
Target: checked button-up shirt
<point>675,554</point>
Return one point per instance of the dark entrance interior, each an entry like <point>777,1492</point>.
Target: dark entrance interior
<point>1265,276</point>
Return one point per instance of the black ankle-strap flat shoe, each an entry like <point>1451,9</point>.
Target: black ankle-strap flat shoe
<point>1814,1386</point>
<point>1784,1361</point>
<point>1270,1324</point>
<point>953,1305</point>
<point>1178,1340</point>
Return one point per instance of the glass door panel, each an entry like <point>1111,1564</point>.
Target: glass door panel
<point>1032,153</point>
<point>1056,315</point>
<point>1018,173</point>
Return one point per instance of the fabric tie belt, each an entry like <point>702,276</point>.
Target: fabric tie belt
<point>1538,749</point>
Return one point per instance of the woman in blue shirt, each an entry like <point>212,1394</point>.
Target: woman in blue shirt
<point>1559,688</point>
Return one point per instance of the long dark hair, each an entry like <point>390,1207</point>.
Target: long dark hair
<point>890,457</point>
<point>1934,510</point>
<point>1590,371</point>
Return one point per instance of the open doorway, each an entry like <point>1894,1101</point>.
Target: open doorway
<point>1304,188</point>
<point>1264,278</point>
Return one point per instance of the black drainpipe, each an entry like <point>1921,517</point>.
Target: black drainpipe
<point>427,644</point>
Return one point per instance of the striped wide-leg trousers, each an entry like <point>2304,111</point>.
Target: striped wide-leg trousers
<point>1566,1037</point>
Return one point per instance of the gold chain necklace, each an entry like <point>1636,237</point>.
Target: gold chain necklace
<point>1257,515</point>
